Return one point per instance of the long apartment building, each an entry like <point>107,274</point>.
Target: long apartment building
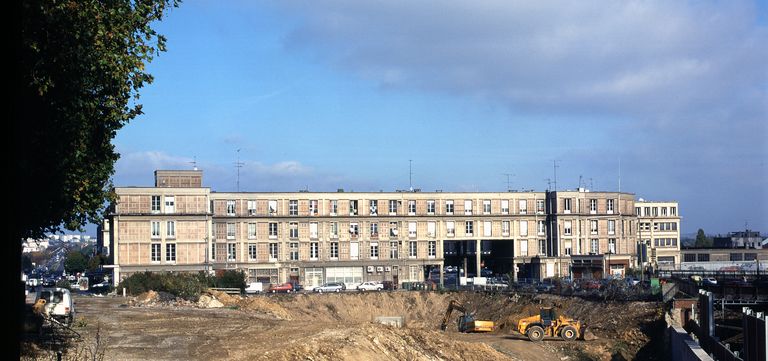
<point>316,237</point>
<point>659,233</point>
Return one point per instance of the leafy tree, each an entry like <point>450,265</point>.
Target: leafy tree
<point>702,241</point>
<point>232,279</point>
<point>75,262</point>
<point>79,67</point>
<point>26,263</point>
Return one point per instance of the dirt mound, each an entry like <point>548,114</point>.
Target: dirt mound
<point>151,298</point>
<point>264,305</point>
<point>378,342</point>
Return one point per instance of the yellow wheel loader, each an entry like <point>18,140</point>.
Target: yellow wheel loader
<point>547,323</point>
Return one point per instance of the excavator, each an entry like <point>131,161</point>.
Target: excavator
<point>466,321</point>
<point>547,323</point>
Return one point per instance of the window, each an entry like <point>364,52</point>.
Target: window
<point>374,229</point>
<point>230,231</point>
<point>393,247</point>
<point>449,207</point>
<point>293,207</point>
<point>393,229</point>
<point>450,228</point>
<point>412,249</point>
<point>293,230</point>
<point>750,256</point>
<point>170,252</point>
<point>334,207</point>
<point>672,211</point>
<point>313,230</point>
<point>170,204</point>
<point>251,208</point>
<point>230,208</point>
<point>594,246</point>
<point>469,228</point>
<point>334,250</point>
<point>542,247</point>
<point>273,230</point>
<point>272,208</point>
<point>392,207</point>
<point>611,245</point>
<point>251,251</point>
<point>293,251</point>
<point>231,249</point>
<point>523,247</point>
<point>155,225</point>
<point>637,211</point>
<point>505,206</point>
<point>523,228</point>
<point>213,251</point>
<point>647,211</point>
<point>540,225</point>
<point>689,257</point>
<point>155,252</point>
<point>655,211</point>
<point>411,208</point>
<point>737,256</point>
<point>156,206</point>
<point>487,228</point>
<point>354,250</point>
<point>467,207</point>
<point>374,207</point>
<point>314,251</point>
<point>374,251</point>
<point>702,257</point>
<point>505,228</point>
<point>486,207</point>
<point>334,229</point>
<point>273,252</point>
<point>523,206</point>
<point>568,249</point>
<point>566,205</point>
<point>431,249</point>
<point>593,226</point>
<point>411,229</point>
<point>567,228</point>
<point>353,208</point>
<point>354,229</point>
<point>593,206</point>
<point>430,207</point>
<point>540,206</point>
<point>609,206</point>
<point>611,226</point>
<point>170,230</point>
<point>431,229</point>
<point>663,211</point>
<point>313,207</point>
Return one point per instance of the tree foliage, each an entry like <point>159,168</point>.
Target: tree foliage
<point>81,64</point>
<point>75,262</point>
<point>702,241</point>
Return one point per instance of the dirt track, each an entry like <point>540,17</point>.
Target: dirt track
<point>339,327</point>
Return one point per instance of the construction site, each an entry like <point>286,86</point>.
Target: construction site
<point>348,326</point>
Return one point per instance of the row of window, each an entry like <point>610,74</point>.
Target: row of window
<point>332,251</point>
<point>658,226</point>
<point>704,257</point>
<point>170,252</point>
<point>655,211</point>
<point>610,205</point>
<point>594,247</point>
<point>665,242</point>
<point>373,229</point>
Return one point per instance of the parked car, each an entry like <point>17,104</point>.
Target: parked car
<point>632,281</point>
<point>101,287</point>
<point>49,282</point>
<point>58,304</point>
<point>545,287</point>
<point>451,269</point>
<point>282,287</point>
<point>330,287</point>
<point>254,287</point>
<point>710,281</point>
<point>389,285</point>
<point>296,286</point>
<point>370,286</point>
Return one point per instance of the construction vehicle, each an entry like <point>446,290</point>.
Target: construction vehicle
<point>547,323</point>
<point>466,322</point>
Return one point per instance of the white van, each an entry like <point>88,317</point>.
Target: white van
<point>254,287</point>
<point>58,304</point>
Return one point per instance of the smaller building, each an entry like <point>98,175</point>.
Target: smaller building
<point>658,234</point>
<point>724,259</point>
<point>742,239</point>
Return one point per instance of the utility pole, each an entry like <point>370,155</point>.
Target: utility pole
<point>238,165</point>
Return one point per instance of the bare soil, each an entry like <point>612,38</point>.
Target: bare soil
<point>341,327</point>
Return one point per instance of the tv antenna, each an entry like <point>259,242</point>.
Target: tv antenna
<point>410,175</point>
<point>555,166</point>
<point>194,163</point>
<point>508,175</point>
<point>549,183</point>
<point>238,165</point>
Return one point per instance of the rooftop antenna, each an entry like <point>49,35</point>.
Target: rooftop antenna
<point>410,175</point>
<point>508,174</point>
<point>591,184</point>
<point>238,165</point>
<point>555,166</point>
<point>194,163</point>
<point>619,175</point>
<point>549,182</point>
<point>580,180</point>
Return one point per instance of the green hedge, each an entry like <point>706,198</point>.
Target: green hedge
<point>185,285</point>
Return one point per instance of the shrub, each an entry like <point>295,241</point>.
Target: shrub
<point>184,285</point>
<point>232,279</point>
<point>64,284</point>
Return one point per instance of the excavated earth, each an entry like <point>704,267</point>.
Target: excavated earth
<point>340,327</point>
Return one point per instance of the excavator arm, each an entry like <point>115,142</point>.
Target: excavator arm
<point>453,305</point>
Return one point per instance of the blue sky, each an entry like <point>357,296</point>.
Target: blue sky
<point>342,94</point>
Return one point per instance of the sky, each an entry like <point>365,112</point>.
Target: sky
<point>664,99</point>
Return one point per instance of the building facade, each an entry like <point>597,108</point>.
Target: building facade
<point>659,234</point>
<point>316,237</point>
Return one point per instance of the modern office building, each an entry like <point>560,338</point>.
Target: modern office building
<point>314,237</point>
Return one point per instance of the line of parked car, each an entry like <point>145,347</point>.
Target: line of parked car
<point>292,287</point>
